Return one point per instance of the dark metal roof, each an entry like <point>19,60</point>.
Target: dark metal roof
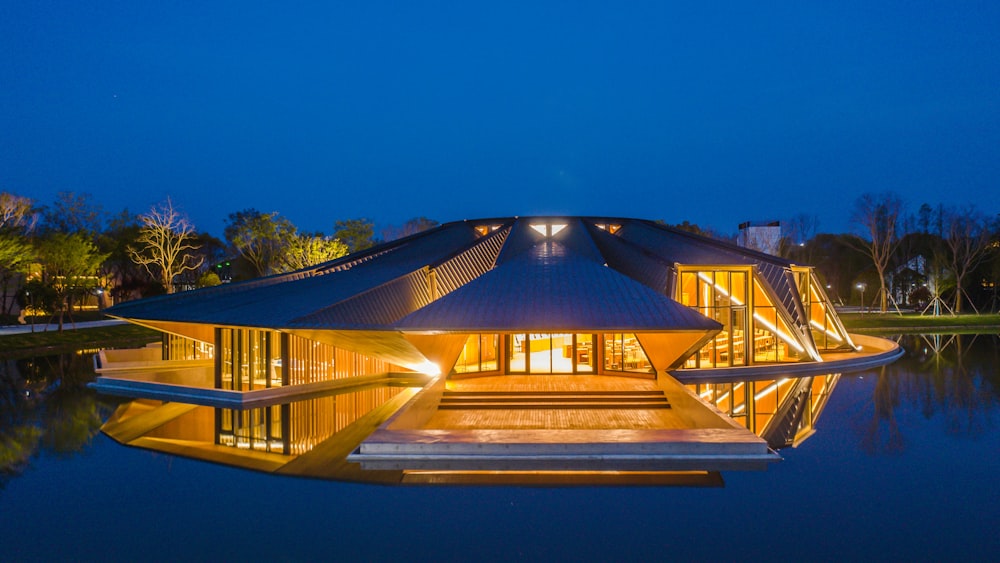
<point>688,248</point>
<point>454,277</point>
<point>382,305</point>
<point>551,288</point>
<point>275,301</point>
<point>633,261</point>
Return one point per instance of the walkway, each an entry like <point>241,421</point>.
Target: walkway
<point>27,328</point>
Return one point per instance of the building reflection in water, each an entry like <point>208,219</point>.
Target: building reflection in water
<point>308,437</point>
<point>312,437</point>
<point>295,428</point>
<point>782,411</point>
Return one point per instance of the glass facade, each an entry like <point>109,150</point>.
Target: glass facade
<point>479,354</point>
<point>550,353</point>
<point>827,333</point>
<point>180,348</point>
<point>251,359</point>
<point>752,329</point>
<point>622,352</point>
<point>247,359</point>
<point>307,361</point>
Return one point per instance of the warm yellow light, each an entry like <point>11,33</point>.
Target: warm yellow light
<point>719,288</point>
<point>428,368</point>
<point>548,230</point>
<point>788,339</point>
<point>769,389</point>
<point>832,334</point>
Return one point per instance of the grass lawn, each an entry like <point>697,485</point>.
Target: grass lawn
<point>909,322</point>
<point>54,342</point>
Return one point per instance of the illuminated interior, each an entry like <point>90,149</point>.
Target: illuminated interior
<point>548,353</point>
<point>827,331</point>
<point>553,353</point>
<point>754,331</point>
<point>622,352</point>
<point>480,354</point>
<point>258,359</point>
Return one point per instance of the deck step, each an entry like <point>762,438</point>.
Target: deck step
<point>452,400</point>
<point>649,393</point>
<point>551,406</point>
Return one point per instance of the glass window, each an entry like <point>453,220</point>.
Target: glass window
<point>622,352</point>
<point>720,295</point>
<point>773,341</point>
<point>478,354</point>
<point>548,353</point>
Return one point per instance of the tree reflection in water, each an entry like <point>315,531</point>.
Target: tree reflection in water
<point>45,406</point>
<point>956,377</point>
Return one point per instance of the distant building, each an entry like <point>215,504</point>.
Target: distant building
<point>762,237</point>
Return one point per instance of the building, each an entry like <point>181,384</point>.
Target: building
<point>764,237</point>
<point>531,295</point>
<point>590,315</point>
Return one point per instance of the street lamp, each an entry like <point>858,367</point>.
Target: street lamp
<point>31,307</point>
<point>861,287</point>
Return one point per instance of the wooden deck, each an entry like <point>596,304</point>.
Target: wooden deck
<point>561,404</point>
<point>624,434</point>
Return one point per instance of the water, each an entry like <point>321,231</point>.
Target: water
<point>902,466</point>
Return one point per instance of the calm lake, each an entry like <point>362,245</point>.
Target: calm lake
<point>903,465</point>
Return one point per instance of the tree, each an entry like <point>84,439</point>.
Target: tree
<point>411,227</point>
<point>837,262</point>
<point>16,255</point>
<point>16,212</point>
<point>967,239</point>
<point>70,263</point>
<point>924,218</point>
<point>305,250</point>
<point>124,277</point>
<point>17,220</point>
<point>261,238</point>
<point>877,219</point>
<point>801,228</point>
<point>73,213</point>
<point>165,246</point>
<point>357,234</point>
<point>208,278</point>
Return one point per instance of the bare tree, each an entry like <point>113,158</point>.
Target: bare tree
<point>877,219</point>
<point>802,227</point>
<point>16,211</point>
<point>73,213</point>
<point>166,244</point>
<point>967,238</point>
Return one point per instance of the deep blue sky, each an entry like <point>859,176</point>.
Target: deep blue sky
<point>714,114</point>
